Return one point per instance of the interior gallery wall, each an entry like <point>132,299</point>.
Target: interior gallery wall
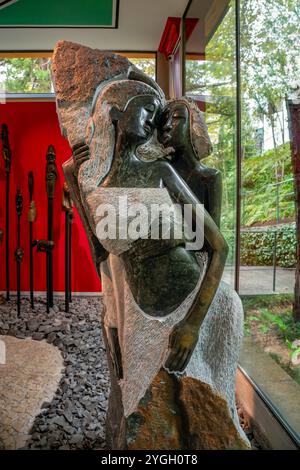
<point>33,126</point>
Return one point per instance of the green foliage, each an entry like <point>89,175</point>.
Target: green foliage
<point>253,302</point>
<point>29,75</point>
<point>146,65</point>
<point>259,189</point>
<point>273,312</point>
<point>270,40</point>
<point>26,75</point>
<point>257,247</point>
<point>294,347</point>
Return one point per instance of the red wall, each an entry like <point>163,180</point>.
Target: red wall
<point>32,128</point>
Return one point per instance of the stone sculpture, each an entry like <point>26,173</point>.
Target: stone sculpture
<point>171,327</point>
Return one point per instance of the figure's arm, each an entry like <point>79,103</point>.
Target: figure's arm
<point>184,336</point>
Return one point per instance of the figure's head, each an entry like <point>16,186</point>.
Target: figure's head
<point>138,119</point>
<point>130,106</point>
<point>181,124</point>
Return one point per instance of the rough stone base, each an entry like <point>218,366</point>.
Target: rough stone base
<point>29,377</point>
<point>177,413</point>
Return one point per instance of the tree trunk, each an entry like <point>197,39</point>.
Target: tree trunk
<point>271,117</point>
<point>294,124</point>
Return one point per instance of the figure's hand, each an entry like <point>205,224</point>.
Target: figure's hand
<point>182,342</point>
<point>81,153</point>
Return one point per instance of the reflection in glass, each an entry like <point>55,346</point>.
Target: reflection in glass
<point>210,79</point>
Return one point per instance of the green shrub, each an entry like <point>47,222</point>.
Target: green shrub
<point>257,247</point>
<point>259,190</point>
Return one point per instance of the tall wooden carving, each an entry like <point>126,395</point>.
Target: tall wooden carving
<point>31,218</point>
<point>68,209</point>
<point>19,252</point>
<point>6,152</point>
<point>51,177</point>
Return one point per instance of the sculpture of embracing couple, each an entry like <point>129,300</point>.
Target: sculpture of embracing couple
<point>172,328</point>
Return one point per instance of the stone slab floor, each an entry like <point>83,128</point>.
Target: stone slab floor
<point>29,376</point>
<point>54,384</point>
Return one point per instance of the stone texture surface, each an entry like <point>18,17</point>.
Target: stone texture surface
<point>83,69</point>
<point>30,377</point>
<point>76,82</point>
<point>182,413</point>
<point>144,345</point>
<point>210,424</point>
<point>78,74</point>
<point>157,423</point>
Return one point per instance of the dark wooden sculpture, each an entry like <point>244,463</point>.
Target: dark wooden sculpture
<point>45,246</point>
<point>6,152</point>
<point>51,177</point>
<point>69,215</point>
<point>19,252</point>
<point>1,240</point>
<point>31,218</point>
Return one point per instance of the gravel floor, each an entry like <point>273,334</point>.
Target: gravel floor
<point>75,419</point>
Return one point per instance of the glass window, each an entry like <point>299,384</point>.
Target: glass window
<point>25,75</point>
<point>29,75</point>
<point>147,65</point>
<point>210,79</point>
<point>270,65</point>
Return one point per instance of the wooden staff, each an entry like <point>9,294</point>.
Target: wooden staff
<point>68,208</point>
<point>51,177</point>
<point>1,239</point>
<point>44,246</point>
<point>6,152</point>
<point>31,216</point>
<point>19,251</point>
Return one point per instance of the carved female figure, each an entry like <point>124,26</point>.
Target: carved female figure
<point>182,126</point>
<point>161,274</point>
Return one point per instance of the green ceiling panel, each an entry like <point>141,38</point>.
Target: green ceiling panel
<point>80,13</point>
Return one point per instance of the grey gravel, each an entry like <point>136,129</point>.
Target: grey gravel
<point>75,419</point>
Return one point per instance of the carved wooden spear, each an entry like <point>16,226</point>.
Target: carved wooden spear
<point>19,251</point>
<point>6,152</point>
<point>68,208</point>
<point>1,239</point>
<point>31,216</point>
<point>51,177</point>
